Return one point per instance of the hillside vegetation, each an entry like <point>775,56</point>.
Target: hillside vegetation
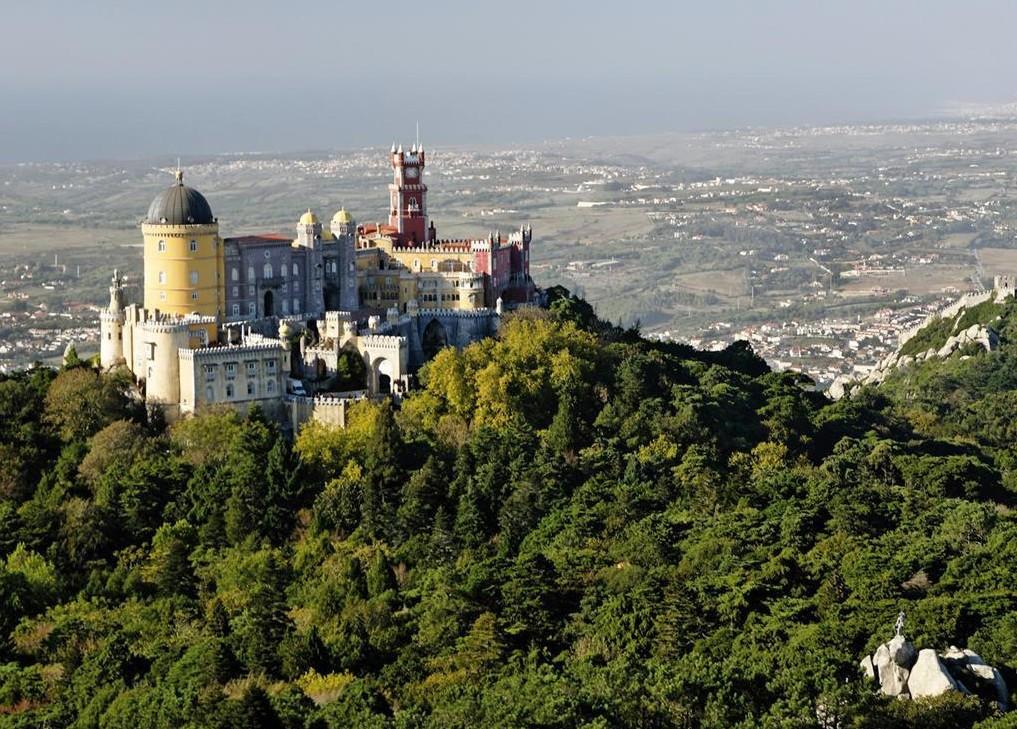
<point>567,526</point>
<point>934,334</point>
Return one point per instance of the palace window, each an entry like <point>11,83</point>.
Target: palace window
<point>267,270</point>
<point>250,290</point>
<point>151,350</point>
<point>282,269</point>
<point>296,270</point>
<point>270,366</point>
<point>210,373</point>
<point>252,368</point>
<point>194,296</point>
<point>162,296</point>
<point>270,386</point>
<point>250,388</point>
<point>250,273</point>
<point>236,310</point>
<point>231,370</point>
<point>194,246</point>
<point>229,390</point>
<point>235,274</point>
<point>268,254</point>
<point>209,393</point>
<point>194,278</point>
<point>162,277</point>
<point>250,309</point>
<point>286,306</point>
<point>296,306</point>
<point>296,286</point>
<point>162,246</point>
<point>236,292</point>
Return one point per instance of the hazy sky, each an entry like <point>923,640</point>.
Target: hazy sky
<point>87,79</point>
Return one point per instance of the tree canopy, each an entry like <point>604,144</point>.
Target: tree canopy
<point>567,525</point>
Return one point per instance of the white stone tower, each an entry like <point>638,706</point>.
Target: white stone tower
<point>111,325</point>
<point>309,237</point>
<point>344,229</point>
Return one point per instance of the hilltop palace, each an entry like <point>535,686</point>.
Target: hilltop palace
<point>264,319</point>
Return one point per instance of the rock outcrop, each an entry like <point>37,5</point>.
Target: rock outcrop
<point>980,335</point>
<point>903,672</point>
<point>929,676</point>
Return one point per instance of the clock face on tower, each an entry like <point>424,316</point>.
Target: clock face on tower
<point>412,172</point>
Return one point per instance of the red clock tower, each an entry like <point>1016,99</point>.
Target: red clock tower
<point>408,196</point>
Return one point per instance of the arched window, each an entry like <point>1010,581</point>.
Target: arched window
<point>209,393</point>
<point>267,271</point>
<point>229,390</point>
<point>235,274</point>
<point>194,278</point>
<point>194,246</point>
<point>296,270</point>
<point>162,277</point>
<point>282,269</point>
<point>162,246</point>
<point>250,273</point>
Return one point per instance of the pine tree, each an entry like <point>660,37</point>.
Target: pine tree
<point>255,710</point>
<point>383,475</point>
<point>280,496</point>
<point>470,530</point>
<point>441,544</point>
<point>379,575</point>
<point>264,622</point>
<point>423,494</point>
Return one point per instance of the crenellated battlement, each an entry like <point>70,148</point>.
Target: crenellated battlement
<point>441,246</point>
<point>457,313</point>
<point>164,327</point>
<point>381,341</point>
<point>229,351</point>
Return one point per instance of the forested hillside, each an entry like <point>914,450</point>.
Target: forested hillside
<point>567,526</point>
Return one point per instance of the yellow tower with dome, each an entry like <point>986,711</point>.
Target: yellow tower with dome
<point>184,256</point>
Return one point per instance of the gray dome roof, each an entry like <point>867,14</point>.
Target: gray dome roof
<point>179,205</point>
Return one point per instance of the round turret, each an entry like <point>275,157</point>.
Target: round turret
<point>184,257</point>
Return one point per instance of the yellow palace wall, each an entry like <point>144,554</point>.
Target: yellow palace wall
<point>175,293</point>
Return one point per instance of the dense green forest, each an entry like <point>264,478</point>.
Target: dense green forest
<point>566,526</point>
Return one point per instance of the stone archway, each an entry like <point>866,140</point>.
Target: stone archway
<point>435,339</point>
<point>381,376</point>
<point>269,304</point>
